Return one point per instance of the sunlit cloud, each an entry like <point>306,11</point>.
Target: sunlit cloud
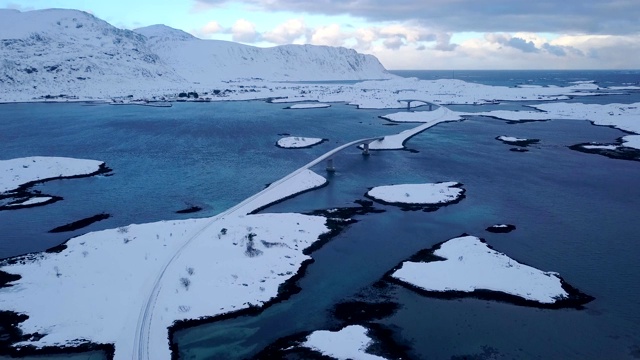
<point>330,35</point>
<point>244,31</point>
<point>287,32</point>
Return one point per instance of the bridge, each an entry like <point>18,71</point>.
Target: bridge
<point>409,101</point>
<point>143,329</point>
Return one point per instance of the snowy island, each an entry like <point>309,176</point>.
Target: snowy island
<point>627,148</point>
<point>27,171</point>
<point>501,228</point>
<point>351,342</point>
<point>297,142</point>
<point>427,196</point>
<point>366,342</point>
<point>510,140</point>
<point>467,266</point>
<point>18,175</point>
<point>308,106</point>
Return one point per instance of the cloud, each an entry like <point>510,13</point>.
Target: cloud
<point>287,32</point>
<point>210,28</point>
<point>570,17</point>
<point>532,43</point>
<point>244,31</point>
<point>521,44</point>
<point>202,6</point>
<point>330,35</point>
<point>443,42</point>
<point>394,42</point>
<point>555,50</point>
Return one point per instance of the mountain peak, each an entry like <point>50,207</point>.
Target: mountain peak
<point>23,24</point>
<point>70,52</point>
<point>163,32</point>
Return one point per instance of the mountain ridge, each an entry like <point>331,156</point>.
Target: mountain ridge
<point>71,52</point>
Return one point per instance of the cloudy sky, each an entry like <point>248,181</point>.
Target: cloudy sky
<point>404,34</point>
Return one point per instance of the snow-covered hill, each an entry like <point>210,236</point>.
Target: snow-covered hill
<point>70,52</point>
<point>209,60</point>
<point>53,52</point>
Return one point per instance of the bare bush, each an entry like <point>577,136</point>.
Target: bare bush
<point>268,244</point>
<point>185,282</point>
<point>251,251</point>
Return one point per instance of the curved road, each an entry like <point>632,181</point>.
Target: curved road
<point>141,341</point>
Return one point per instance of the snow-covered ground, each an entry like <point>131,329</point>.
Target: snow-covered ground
<point>469,264</point>
<point>297,142</point>
<point>511,139</point>
<point>309,106</point>
<point>295,183</point>
<point>349,343</point>
<point>16,172</point>
<point>429,118</point>
<point>516,141</point>
<point>632,141</point>
<point>622,116</point>
<point>233,261</point>
<point>418,194</point>
<point>31,201</point>
<point>600,147</point>
<point>81,292</point>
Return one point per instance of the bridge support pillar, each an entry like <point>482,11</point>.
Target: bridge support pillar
<point>430,107</point>
<point>330,167</point>
<point>365,149</point>
<point>408,105</point>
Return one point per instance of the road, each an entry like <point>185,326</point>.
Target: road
<point>143,328</point>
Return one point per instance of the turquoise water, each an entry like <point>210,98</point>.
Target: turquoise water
<point>212,155</point>
<point>575,213</point>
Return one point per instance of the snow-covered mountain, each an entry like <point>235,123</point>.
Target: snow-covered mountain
<point>206,60</point>
<point>70,52</point>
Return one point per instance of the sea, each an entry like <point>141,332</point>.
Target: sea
<point>575,213</point>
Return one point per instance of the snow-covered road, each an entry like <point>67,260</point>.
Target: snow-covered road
<point>277,190</point>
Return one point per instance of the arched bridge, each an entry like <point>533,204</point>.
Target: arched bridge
<point>409,101</point>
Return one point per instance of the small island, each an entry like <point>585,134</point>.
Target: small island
<point>467,266</point>
<point>510,140</point>
<point>20,174</point>
<point>349,343</point>
<point>27,202</point>
<point>501,228</point>
<point>427,196</point>
<point>626,148</point>
<point>297,142</point>
<point>309,106</point>
<point>367,342</point>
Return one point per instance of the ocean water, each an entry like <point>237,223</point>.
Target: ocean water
<point>575,213</point>
<point>603,78</point>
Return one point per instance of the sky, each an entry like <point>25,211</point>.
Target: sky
<point>403,34</point>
